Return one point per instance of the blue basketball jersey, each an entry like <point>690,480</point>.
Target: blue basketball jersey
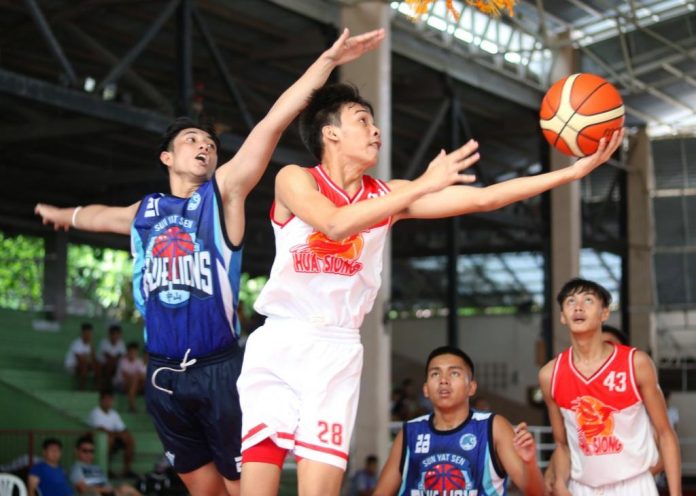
<point>186,273</point>
<point>458,462</point>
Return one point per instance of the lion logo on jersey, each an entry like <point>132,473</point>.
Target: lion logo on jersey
<point>595,426</point>
<point>322,254</point>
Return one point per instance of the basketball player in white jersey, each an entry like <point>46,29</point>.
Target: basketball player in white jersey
<point>602,399</point>
<point>188,298</point>
<point>300,379</point>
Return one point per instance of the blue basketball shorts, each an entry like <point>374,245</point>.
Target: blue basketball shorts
<point>196,411</point>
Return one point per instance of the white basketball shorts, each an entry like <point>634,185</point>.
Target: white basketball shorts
<point>640,485</point>
<point>299,386</point>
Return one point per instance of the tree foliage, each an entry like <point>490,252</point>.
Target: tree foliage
<point>21,272</point>
<point>98,282</point>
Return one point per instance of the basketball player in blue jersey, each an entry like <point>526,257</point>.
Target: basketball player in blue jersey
<point>186,273</point>
<point>456,450</point>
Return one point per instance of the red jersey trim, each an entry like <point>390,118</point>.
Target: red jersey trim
<point>262,426</point>
<point>322,449</point>
<point>329,182</point>
<point>632,374</point>
<point>554,374</point>
<point>599,371</point>
<point>272,216</point>
<point>254,430</point>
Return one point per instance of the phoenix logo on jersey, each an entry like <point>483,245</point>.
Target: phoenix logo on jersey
<point>595,426</point>
<point>321,254</point>
<point>175,264</point>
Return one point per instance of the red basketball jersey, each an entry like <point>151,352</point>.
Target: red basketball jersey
<point>609,431</point>
<point>323,281</point>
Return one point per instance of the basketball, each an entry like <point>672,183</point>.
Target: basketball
<point>173,242</point>
<point>444,477</point>
<point>578,111</point>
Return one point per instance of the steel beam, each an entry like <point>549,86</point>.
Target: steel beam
<point>222,68</point>
<point>454,61</point>
<point>143,85</point>
<point>53,44</point>
<point>86,104</point>
<point>184,58</point>
<point>130,57</point>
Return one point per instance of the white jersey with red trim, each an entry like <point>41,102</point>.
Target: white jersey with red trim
<point>322,281</point>
<point>608,428</point>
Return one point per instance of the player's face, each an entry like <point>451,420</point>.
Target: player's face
<point>193,153</point>
<point>583,312</point>
<point>449,383</point>
<point>360,137</point>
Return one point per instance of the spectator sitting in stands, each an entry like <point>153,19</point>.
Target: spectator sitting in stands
<point>130,374</point>
<point>47,477</point>
<point>405,405</point>
<point>89,478</point>
<point>80,356</point>
<point>106,419</point>
<point>111,349</point>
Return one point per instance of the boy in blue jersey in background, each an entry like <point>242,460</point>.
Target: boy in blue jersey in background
<point>457,450</point>
<point>186,272</point>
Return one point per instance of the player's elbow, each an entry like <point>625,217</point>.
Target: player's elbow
<point>335,231</point>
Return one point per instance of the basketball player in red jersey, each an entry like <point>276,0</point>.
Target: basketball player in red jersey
<point>300,379</point>
<point>602,399</point>
<point>190,319</point>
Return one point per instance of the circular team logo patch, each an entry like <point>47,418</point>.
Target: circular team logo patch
<point>467,442</point>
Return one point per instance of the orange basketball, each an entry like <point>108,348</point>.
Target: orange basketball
<point>578,111</point>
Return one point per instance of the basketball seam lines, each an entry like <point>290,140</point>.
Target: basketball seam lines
<point>574,111</point>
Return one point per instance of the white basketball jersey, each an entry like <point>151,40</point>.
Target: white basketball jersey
<point>322,281</point>
<point>608,429</point>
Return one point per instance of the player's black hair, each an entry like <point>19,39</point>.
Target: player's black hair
<point>50,441</point>
<point>132,345</point>
<point>178,125</point>
<point>617,333</point>
<point>578,285</point>
<point>86,326</point>
<point>449,350</point>
<point>324,108</point>
<point>115,328</point>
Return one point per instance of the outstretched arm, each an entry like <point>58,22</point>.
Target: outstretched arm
<point>654,402</point>
<point>297,194</point>
<point>466,199</point>
<point>95,218</point>
<point>390,477</point>
<point>516,451</point>
<point>238,176</point>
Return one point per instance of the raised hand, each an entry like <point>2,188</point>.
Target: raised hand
<point>53,215</point>
<point>524,443</point>
<point>348,48</point>
<point>605,150</point>
<point>445,169</point>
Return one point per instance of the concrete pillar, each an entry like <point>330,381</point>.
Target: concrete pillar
<point>372,75</point>
<point>641,241</point>
<point>566,238</point>
<point>55,274</point>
